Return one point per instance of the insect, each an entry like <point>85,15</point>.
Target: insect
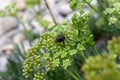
<point>60,38</point>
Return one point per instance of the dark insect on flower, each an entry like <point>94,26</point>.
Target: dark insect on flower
<point>60,38</point>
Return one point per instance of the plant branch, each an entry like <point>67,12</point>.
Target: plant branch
<point>46,3</point>
<point>92,7</point>
<point>96,10</point>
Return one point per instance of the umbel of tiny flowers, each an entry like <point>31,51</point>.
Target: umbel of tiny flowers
<point>32,60</point>
<point>114,46</point>
<point>101,68</point>
<point>113,12</point>
<point>112,1</point>
<point>61,51</point>
<point>78,4</point>
<point>80,20</point>
<point>58,49</point>
<point>38,76</point>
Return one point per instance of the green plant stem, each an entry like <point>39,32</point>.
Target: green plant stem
<point>38,68</point>
<point>96,10</point>
<point>76,73</point>
<point>95,50</point>
<point>72,74</point>
<point>45,73</point>
<point>83,55</point>
<point>92,7</point>
<point>78,33</point>
<point>86,54</point>
<point>100,3</point>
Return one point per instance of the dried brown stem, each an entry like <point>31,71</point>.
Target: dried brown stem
<point>46,3</point>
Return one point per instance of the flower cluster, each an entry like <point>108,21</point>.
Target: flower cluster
<point>30,64</point>
<point>57,49</point>
<point>78,4</point>
<point>79,23</point>
<point>113,12</point>
<point>101,68</point>
<point>60,48</point>
<point>32,61</point>
<point>114,45</point>
<point>38,76</point>
<point>112,1</point>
